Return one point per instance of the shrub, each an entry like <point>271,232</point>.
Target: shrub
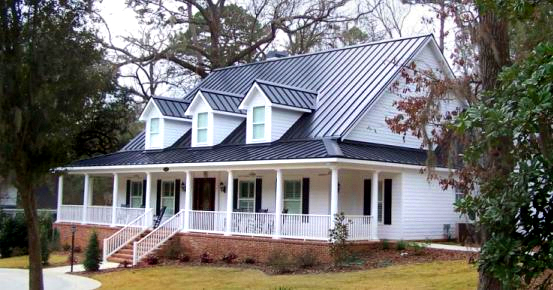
<point>92,256</point>
<point>401,245</point>
<point>385,244</point>
<point>249,260</point>
<point>172,250</point>
<point>280,262</point>
<point>206,258</point>
<point>418,248</point>
<point>55,244</point>
<point>307,259</point>
<point>152,259</point>
<point>184,258</point>
<point>77,249</point>
<point>13,234</point>
<point>44,246</point>
<point>66,247</point>
<point>229,258</point>
<point>339,249</point>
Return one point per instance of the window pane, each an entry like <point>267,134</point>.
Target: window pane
<point>202,136</point>
<point>258,115</point>
<point>258,131</point>
<point>294,207</point>
<point>154,125</point>
<point>202,120</point>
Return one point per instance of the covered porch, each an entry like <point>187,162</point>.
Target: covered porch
<point>295,202</point>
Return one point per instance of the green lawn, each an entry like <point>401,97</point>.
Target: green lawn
<point>437,275</point>
<point>22,262</point>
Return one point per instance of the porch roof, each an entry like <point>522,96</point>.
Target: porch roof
<point>181,152</point>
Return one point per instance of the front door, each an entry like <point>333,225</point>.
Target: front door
<point>168,197</point>
<point>204,194</point>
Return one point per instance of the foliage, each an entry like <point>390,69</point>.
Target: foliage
<point>13,234</point>
<point>184,258</point>
<point>338,236</point>
<point>385,244</point>
<point>307,259</point>
<point>206,258</point>
<point>401,245</point>
<point>229,258</point>
<point>515,208</point>
<point>151,259</point>
<point>280,261</point>
<point>44,246</point>
<point>66,247</point>
<point>249,260</point>
<point>173,250</point>
<point>418,248</point>
<point>93,256</point>
<point>55,242</point>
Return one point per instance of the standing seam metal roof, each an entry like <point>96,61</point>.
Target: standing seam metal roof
<point>221,101</point>
<point>287,95</point>
<point>172,107</point>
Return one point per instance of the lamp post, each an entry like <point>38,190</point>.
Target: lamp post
<point>73,230</point>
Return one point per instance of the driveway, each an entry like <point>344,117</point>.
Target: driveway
<point>54,279</point>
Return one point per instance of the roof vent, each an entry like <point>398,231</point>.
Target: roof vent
<point>276,54</point>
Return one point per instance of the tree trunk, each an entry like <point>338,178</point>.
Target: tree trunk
<point>31,219</point>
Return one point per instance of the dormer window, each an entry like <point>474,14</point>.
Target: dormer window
<point>155,136</point>
<point>202,128</point>
<point>258,123</point>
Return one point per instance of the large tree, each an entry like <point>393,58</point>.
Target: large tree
<point>51,75</point>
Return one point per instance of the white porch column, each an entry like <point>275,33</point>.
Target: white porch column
<point>230,200</point>
<point>187,201</point>
<point>60,197</point>
<point>278,204</point>
<point>374,206</point>
<point>86,194</point>
<point>333,195</point>
<point>148,195</point>
<point>114,199</point>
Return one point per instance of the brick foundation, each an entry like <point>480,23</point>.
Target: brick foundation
<point>82,235</point>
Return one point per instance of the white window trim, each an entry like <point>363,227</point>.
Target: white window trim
<point>174,197</point>
<point>209,140</point>
<point>132,197</point>
<point>249,180</point>
<point>284,199</point>
<point>161,129</point>
<point>264,123</point>
<point>206,128</point>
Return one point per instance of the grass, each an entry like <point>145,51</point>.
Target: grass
<point>22,262</point>
<point>438,275</point>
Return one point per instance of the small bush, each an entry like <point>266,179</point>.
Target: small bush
<point>385,244</point>
<point>55,244</point>
<point>77,249</point>
<point>206,258</point>
<point>184,258</point>
<point>66,247</point>
<point>418,248</point>
<point>401,245</point>
<point>93,257</point>
<point>229,258</point>
<point>339,249</point>
<point>152,259</point>
<point>249,260</point>
<point>44,246</point>
<point>280,262</point>
<point>307,259</point>
<point>172,250</point>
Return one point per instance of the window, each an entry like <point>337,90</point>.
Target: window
<point>380,201</point>
<point>168,197</point>
<point>136,194</point>
<point>155,139</point>
<point>202,128</point>
<point>246,196</point>
<point>458,195</point>
<point>258,122</point>
<point>292,196</point>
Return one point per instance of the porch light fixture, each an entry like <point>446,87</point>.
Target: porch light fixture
<point>165,169</point>
<point>222,187</point>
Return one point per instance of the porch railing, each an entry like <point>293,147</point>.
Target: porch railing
<point>359,227</point>
<point>305,226</point>
<point>71,213</point>
<point>124,215</point>
<point>249,223</point>
<point>99,214</point>
<point>158,236</point>
<point>128,233</point>
<point>207,221</point>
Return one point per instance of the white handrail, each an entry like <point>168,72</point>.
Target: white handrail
<point>128,233</point>
<point>158,236</point>
<point>359,227</point>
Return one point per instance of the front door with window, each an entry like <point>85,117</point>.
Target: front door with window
<point>168,197</point>
<point>204,194</point>
<point>136,194</point>
<point>246,196</point>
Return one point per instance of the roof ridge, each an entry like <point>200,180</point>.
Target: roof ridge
<point>325,51</point>
<point>285,86</point>
<point>233,95</point>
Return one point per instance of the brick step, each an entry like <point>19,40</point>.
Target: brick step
<point>119,260</point>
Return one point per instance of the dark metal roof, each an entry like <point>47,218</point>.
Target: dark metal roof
<point>181,152</point>
<point>136,143</point>
<point>347,81</point>
<point>221,101</point>
<point>288,95</point>
<point>172,107</point>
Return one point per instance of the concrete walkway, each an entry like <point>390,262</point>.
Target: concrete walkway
<point>54,278</point>
<point>451,247</point>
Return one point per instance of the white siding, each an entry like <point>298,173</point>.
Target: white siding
<point>281,121</point>
<point>8,194</point>
<point>426,207</point>
<point>173,130</point>
<point>394,230</point>
<point>223,125</point>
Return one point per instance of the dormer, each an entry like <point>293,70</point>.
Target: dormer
<point>165,122</point>
<point>273,108</point>
<point>214,116</point>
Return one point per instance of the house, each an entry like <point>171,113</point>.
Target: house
<point>8,195</point>
<point>266,154</point>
